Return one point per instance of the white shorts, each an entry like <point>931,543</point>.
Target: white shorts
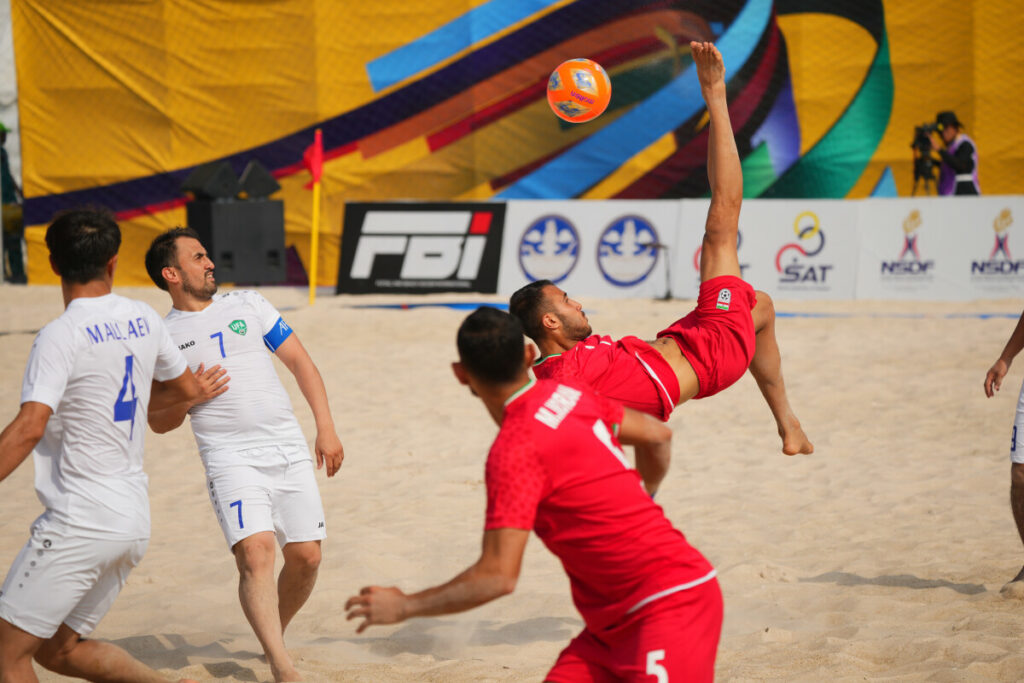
<point>1017,436</point>
<point>60,577</point>
<point>272,488</point>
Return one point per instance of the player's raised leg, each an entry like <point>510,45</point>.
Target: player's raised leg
<point>257,592</point>
<point>297,578</point>
<point>766,368</point>
<point>67,654</point>
<point>718,254</point>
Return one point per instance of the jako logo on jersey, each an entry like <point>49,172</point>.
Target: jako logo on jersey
<point>628,251</point>
<point>435,245</point>
<point>1000,263</point>
<point>549,249</point>
<point>812,240</point>
<point>909,263</point>
<point>238,327</point>
<point>189,343</point>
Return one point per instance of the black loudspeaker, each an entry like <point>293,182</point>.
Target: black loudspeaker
<point>245,239</point>
<point>257,182</point>
<point>215,180</point>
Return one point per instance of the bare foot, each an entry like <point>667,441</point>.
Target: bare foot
<point>1014,589</point>
<point>794,440</point>
<point>287,674</point>
<point>710,67</point>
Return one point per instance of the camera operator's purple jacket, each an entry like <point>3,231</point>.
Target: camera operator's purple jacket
<point>950,176</point>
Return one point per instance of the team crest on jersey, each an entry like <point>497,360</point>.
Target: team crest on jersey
<point>238,327</point>
<point>724,297</point>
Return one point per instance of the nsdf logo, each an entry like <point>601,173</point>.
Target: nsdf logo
<point>797,262</point>
<point>1000,265</point>
<point>417,248</point>
<point>909,265</point>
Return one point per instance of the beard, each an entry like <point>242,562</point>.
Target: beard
<point>575,330</point>
<point>203,292</point>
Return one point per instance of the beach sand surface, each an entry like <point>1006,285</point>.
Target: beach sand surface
<point>880,557</point>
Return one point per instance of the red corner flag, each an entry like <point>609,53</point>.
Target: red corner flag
<point>313,158</point>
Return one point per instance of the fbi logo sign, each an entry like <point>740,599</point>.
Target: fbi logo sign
<point>420,247</point>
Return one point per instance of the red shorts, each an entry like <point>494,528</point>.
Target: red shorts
<point>717,337</point>
<point>674,638</point>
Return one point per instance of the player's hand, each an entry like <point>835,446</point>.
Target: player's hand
<point>212,382</point>
<point>710,67</point>
<point>994,377</point>
<point>376,605</point>
<point>329,450</point>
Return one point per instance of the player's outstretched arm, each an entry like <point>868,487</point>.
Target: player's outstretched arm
<point>652,444</point>
<point>170,401</point>
<point>21,435</point>
<point>995,374</point>
<point>494,575</point>
<point>328,446</point>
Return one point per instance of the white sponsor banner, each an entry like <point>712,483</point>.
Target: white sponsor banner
<point>941,248</point>
<point>917,248</point>
<point>994,247</point>
<point>913,249</point>
<point>800,249</point>
<point>608,249</point>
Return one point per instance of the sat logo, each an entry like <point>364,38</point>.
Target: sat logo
<point>420,247</point>
<point>799,268</point>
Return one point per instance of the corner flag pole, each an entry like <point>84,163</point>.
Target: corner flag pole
<point>314,160</point>
<point>314,256</point>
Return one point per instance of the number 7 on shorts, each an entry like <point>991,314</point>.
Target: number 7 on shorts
<point>240,525</point>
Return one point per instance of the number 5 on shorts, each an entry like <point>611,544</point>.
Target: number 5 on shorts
<point>242,526</point>
<point>654,667</point>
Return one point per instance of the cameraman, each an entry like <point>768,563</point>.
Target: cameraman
<point>958,173</point>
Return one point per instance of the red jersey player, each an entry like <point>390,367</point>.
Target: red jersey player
<point>732,327</point>
<point>650,601</point>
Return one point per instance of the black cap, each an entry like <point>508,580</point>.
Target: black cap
<point>947,118</point>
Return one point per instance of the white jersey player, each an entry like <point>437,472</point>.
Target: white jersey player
<point>259,473</point>
<point>84,402</point>
<point>993,380</point>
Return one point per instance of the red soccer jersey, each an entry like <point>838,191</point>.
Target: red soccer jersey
<point>629,371</point>
<point>556,468</point>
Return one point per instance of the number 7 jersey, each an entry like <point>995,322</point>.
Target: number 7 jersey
<point>94,367</point>
<point>239,331</point>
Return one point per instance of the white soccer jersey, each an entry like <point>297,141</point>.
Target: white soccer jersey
<point>235,331</point>
<point>94,367</point>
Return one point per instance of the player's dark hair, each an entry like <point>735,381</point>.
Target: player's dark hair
<point>163,252</point>
<point>528,305</point>
<point>82,242</point>
<point>491,345</point>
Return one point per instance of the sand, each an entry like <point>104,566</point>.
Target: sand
<point>880,557</point>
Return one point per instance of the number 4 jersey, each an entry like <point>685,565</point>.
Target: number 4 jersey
<point>94,367</point>
<point>236,331</point>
